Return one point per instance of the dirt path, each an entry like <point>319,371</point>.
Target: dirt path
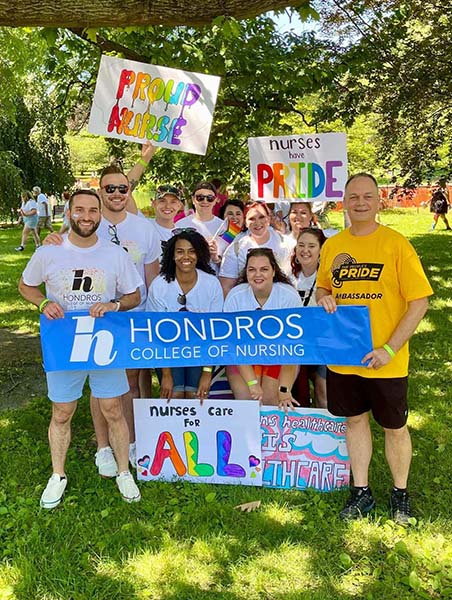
<point>21,373</point>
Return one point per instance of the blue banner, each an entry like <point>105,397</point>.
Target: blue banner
<point>143,340</point>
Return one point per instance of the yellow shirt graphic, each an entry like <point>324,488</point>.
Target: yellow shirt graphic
<point>381,271</point>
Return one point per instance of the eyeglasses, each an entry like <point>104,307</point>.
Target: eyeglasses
<point>110,188</point>
<point>182,299</point>
<point>168,189</point>
<point>201,197</point>
<point>113,232</point>
<point>179,230</point>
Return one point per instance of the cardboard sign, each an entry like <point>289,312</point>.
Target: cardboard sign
<point>217,442</point>
<point>306,168</point>
<point>304,448</point>
<point>138,102</point>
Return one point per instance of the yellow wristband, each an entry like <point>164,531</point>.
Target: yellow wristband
<point>389,350</point>
<point>207,369</point>
<point>142,162</point>
<point>44,304</point>
<point>252,382</point>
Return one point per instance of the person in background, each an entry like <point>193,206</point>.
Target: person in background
<point>262,286</point>
<point>186,283</point>
<point>234,211</point>
<point>29,212</point>
<point>304,263</point>
<point>221,194</point>
<point>371,265</point>
<point>439,204</point>
<point>45,219</point>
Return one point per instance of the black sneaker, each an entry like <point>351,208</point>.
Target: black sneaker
<point>399,504</point>
<point>19,249</point>
<point>359,504</point>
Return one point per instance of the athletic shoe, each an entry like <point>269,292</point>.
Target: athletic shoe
<point>106,463</point>
<point>359,504</point>
<point>54,491</point>
<point>133,454</point>
<point>128,487</point>
<point>19,249</point>
<point>399,504</point>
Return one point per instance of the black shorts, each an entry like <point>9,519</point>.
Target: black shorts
<point>352,395</point>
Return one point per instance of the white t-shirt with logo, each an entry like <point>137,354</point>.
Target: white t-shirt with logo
<point>138,236</point>
<point>234,258</point>
<point>205,296</point>
<point>206,228</point>
<point>242,298</point>
<point>42,201</point>
<point>77,277</point>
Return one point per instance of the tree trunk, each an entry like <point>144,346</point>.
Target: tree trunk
<point>123,13</point>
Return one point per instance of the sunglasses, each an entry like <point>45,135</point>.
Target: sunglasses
<point>201,197</point>
<point>113,232</point>
<point>168,189</point>
<point>110,188</point>
<point>182,299</point>
<point>179,230</point>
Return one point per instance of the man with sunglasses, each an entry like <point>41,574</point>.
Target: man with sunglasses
<point>204,221</point>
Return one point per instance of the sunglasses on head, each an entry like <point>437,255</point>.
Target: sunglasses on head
<point>168,189</point>
<point>201,197</point>
<point>179,230</point>
<point>110,188</point>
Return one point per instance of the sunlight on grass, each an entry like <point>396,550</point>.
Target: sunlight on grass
<point>280,514</point>
<point>9,576</point>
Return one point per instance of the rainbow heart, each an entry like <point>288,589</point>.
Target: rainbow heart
<point>144,462</point>
<point>253,460</point>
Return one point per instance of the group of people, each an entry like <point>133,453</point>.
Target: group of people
<point>35,214</point>
<point>189,266</point>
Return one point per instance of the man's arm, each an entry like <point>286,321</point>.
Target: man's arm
<point>379,357</point>
<point>33,294</point>
<point>136,172</point>
<point>126,302</point>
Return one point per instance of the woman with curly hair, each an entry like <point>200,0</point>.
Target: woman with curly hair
<point>186,283</point>
<point>262,286</point>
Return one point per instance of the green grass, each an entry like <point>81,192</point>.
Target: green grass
<point>186,541</point>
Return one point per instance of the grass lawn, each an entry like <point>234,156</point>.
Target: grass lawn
<point>186,542</point>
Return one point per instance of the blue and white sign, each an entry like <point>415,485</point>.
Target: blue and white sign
<point>148,340</point>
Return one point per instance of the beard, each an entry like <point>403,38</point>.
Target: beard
<point>84,233</point>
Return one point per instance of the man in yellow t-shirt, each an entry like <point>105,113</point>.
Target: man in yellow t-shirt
<point>372,265</point>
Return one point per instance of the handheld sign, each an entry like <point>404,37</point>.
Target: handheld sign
<point>138,102</point>
<point>303,168</point>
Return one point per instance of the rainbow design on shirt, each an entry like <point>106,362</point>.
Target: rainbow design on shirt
<point>231,232</point>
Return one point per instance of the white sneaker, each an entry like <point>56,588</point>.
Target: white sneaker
<point>54,491</point>
<point>106,463</point>
<point>128,488</point>
<point>133,454</point>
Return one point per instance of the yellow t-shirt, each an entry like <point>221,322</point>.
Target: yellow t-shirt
<point>382,271</point>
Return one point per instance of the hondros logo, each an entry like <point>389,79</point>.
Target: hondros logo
<point>84,339</point>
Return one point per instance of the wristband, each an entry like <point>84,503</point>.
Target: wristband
<point>43,304</point>
<point>389,350</point>
<point>117,304</point>
<point>252,382</point>
<point>207,369</point>
<point>143,163</point>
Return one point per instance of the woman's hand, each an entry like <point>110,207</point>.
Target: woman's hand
<point>286,401</point>
<point>204,386</point>
<point>256,392</point>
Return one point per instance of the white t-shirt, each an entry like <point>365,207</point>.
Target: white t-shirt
<point>234,258</point>
<point>206,228</point>
<point>138,236</point>
<point>306,287</point>
<point>42,201</point>
<point>77,278</point>
<point>242,298</point>
<point>205,296</point>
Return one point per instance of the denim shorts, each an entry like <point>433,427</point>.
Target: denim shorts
<point>185,379</point>
<point>67,386</point>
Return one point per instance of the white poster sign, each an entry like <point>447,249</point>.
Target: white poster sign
<point>217,442</point>
<point>303,168</point>
<point>138,102</point>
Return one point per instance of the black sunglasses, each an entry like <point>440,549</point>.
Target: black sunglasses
<point>182,299</point>
<point>168,189</point>
<point>113,232</point>
<point>201,197</point>
<point>110,188</point>
<point>179,230</point>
